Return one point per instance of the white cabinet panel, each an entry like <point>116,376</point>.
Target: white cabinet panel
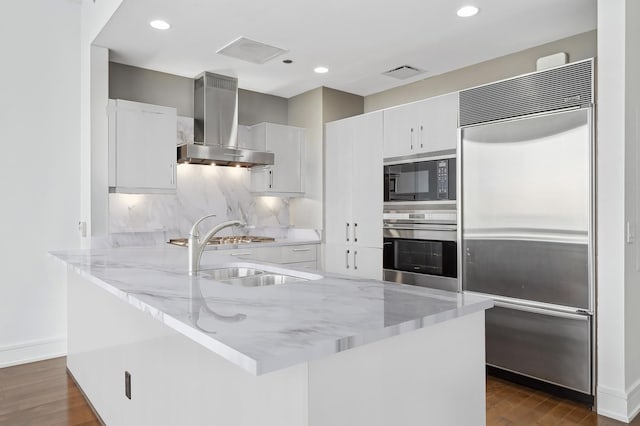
<point>142,152</point>
<point>338,258</point>
<point>367,263</point>
<point>367,182</point>
<point>400,133</point>
<point>285,175</point>
<point>337,178</point>
<point>347,259</point>
<point>421,127</point>
<point>441,121</point>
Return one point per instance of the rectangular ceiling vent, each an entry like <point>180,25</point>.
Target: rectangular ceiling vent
<point>250,50</point>
<point>403,72</point>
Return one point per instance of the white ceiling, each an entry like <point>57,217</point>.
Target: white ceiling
<point>356,39</point>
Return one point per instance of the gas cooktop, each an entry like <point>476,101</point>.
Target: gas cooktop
<point>240,239</point>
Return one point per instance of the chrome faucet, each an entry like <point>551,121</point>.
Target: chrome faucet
<point>197,245</point>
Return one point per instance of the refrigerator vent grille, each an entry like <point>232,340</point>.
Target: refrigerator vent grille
<point>557,88</point>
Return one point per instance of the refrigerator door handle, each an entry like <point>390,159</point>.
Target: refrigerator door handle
<point>549,312</point>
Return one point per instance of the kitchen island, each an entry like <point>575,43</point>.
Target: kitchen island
<point>148,344</point>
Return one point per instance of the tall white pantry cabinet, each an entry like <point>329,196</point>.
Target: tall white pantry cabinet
<point>353,196</point>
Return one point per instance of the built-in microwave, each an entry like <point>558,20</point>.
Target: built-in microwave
<point>420,179</point>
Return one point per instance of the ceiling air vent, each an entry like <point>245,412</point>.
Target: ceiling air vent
<point>403,72</point>
<point>250,50</point>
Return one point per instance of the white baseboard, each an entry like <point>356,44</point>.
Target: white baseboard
<point>619,405</point>
<point>634,400</point>
<point>35,350</point>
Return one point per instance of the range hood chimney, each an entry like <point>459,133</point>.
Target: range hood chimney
<point>215,131</point>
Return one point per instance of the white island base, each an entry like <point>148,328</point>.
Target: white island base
<point>431,376</point>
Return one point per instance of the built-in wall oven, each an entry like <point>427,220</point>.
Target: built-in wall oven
<point>420,246</point>
<point>419,221</point>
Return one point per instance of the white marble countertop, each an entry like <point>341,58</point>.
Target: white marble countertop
<point>263,329</point>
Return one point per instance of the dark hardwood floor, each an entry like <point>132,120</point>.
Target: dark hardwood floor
<point>42,394</point>
<point>514,405</point>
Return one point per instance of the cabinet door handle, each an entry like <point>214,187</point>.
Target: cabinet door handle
<point>244,253</point>
<point>421,143</point>
<point>347,231</point>
<point>355,235</point>
<point>355,259</point>
<point>302,249</point>
<point>411,138</point>
<point>347,259</point>
<point>270,178</point>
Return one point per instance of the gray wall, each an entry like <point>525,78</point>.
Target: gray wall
<point>305,110</point>
<point>255,107</point>
<point>581,46</point>
<point>153,87</point>
<point>337,104</point>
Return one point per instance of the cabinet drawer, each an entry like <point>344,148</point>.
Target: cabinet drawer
<point>241,254</point>
<point>302,253</point>
<point>313,265</point>
<point>288,254</point>
<point>283,254</point>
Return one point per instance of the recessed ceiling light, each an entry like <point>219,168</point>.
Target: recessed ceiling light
<point>159,24</point>
<point>321,70</point>
<point>467,11</point>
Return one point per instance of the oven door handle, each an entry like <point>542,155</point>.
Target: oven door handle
<point>415,226</point>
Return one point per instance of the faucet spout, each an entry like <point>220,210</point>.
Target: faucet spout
<point>197,244</point>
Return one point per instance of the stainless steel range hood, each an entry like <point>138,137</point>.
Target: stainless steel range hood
<point>215,130</point>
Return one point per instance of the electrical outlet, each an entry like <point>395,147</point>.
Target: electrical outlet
<point>82,228</point>
<point>127,384</point>
<point>631,236</point>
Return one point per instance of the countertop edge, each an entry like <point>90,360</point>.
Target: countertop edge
<point>346,343</point>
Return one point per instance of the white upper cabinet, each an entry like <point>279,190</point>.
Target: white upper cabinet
<point>426,126</point>
<point>285,176</point>
<point>142,147</point>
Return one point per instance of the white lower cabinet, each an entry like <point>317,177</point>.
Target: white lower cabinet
<point>362,262</point>
<point>298,256</point>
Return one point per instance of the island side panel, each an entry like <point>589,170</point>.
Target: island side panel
<point>434,376</point>
<point>174,380</point>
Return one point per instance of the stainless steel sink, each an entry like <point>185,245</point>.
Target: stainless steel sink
<point>263,280</point>
<point>222,274</point>
<point>251,277</point>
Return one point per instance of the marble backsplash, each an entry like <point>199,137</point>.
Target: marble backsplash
<point>202,190</point>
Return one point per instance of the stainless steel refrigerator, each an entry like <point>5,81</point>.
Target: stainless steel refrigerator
<point>526,214</point>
